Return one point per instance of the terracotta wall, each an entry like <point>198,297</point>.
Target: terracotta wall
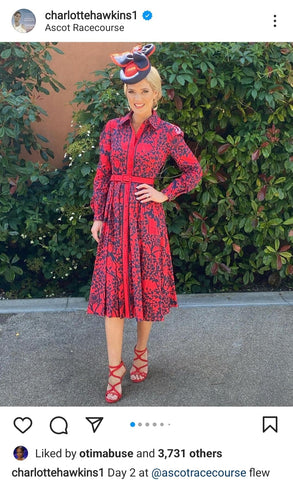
<point>77,64</point>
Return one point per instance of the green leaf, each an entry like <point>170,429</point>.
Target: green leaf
<point>15,259</point>
<point>47,56</point>
<point>4,258</point>
<point>181,79</point>
<point>50,153</point>
<point>205,198</point>
<point>269,249</point>
<point>280,180</point>
<point>85,170</point>
<point>172,77</point>
<point>9,132</point>
<point>19,53</point>
<point>274,222</point>
<point>9,275</point>
<point>289,221</point>
<point>57,50</point>
<point>246,80</point>
<point>17,270</point>
<point>246,278</point>
<point>43,90</point>
<point>267,259</point>
<point>44,139</point>
<point>6,53</point>
<point>43,180</point>
<point>248,227</point>
<point>192,88</point>
<point>54,86</point>
<point>44,155</point>
<point>266,151</point>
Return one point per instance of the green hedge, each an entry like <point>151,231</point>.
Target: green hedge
<point>24,76</point>
<point>234,102</point>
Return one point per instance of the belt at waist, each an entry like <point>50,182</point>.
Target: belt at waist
<point>124,178</point>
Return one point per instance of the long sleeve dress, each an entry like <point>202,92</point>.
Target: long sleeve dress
<point>133,274</point>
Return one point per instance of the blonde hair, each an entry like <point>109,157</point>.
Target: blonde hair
<point>155,81</point>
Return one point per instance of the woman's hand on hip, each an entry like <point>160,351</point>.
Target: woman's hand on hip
<point>97,229</point>
<point>147,193</point>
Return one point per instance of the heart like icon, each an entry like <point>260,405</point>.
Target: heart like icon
<point>23,424</point>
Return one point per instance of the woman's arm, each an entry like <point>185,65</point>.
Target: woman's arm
<point>188,164</point>
<point>103,174</point>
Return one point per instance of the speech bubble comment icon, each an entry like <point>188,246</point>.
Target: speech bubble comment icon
<point>59,425</point>
<point>23,424</point>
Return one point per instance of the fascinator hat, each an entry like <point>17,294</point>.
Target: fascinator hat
<point>135,65</point>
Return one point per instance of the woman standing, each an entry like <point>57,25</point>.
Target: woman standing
<point>133,275</point>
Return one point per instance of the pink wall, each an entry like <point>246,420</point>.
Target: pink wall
<point>77,64</point>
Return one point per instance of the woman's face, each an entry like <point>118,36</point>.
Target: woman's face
<point>141,98</point>
<point>17,17</point>
<point>19,453</point>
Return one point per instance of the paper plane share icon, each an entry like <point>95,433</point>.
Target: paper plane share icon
<point>95,422</point>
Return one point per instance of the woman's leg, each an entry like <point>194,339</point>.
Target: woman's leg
<point>143,332</point>
<point>114,335</point>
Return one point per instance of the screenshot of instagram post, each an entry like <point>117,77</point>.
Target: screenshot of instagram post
<point>146,240</point>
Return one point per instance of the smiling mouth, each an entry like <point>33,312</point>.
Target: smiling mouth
<point>139,105</point>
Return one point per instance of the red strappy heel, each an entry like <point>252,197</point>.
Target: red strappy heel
<point>112,390</point>
<point>143,375</point>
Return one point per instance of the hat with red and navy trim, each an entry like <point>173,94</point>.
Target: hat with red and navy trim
<point>135,65</point>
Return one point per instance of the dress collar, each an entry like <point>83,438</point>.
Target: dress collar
<point>154,120</point>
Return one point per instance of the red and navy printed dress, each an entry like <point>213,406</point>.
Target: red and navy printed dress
<point>133,274</point>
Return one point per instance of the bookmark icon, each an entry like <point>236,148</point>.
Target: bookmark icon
<point>270,422</point>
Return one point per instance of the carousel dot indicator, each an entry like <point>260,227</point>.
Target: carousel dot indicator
<point>148,424</point>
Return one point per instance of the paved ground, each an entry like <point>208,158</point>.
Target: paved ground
<point>223,349</point>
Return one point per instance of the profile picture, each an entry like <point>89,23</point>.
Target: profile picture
<point>20,453</point>
<point>23,20</point>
